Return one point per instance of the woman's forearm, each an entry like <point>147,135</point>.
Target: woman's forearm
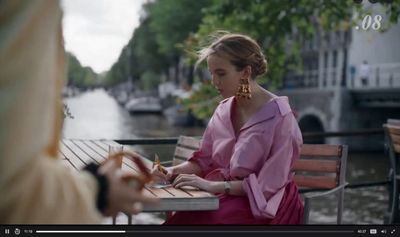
<point>187,167</point>
<point>236,187</point>
<point>190,167</point>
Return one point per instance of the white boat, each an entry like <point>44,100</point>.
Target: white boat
<point>144,105</point>
<point>176,116</point>
<point>122,97</point>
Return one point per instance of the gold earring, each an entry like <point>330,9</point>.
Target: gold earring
<point>244,89</point>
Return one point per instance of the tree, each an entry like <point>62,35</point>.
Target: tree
<point>156,45</point>
<point>77,75</point>
<point>172,21</point>
<point>271,22</point>
<point>146,49</point>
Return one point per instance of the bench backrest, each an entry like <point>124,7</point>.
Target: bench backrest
<point>395,122</point>
<point>392,132</point>
<point>321,166</point>
<point>392,141</point>
<point>185,148</point>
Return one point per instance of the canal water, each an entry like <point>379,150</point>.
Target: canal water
<point>98,116</point>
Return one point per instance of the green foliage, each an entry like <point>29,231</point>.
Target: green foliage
<point>171,27</point>
<point>202,102</point>
<point>154,46</point>
<point>149,80</point>
<point>119,71</point>
<point>172,21</point>
<point>271,22</point>
<point>77,75</point>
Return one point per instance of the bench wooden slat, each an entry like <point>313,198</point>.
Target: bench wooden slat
<point>183,153</point>
<point>315,181</point>
<point>315,165</point>
<point>395,138</point>
<point>320,150</point>
<point>396,148</point>
<point>393,129</point>
<point>189,142</point>
<point>178,160</point>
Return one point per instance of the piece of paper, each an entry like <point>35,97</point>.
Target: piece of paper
<point>159,185</point>
<point>189,188</point>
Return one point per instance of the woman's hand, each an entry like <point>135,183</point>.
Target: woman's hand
<point>121,196</point>
<point>192,180</point>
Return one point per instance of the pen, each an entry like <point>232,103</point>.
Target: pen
<point>158,164</point>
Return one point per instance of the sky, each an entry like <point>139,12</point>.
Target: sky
<point>95,31</point>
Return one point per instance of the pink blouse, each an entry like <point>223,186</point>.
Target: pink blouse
<point>261,155</point>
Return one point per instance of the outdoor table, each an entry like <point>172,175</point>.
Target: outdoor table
<point>77,153</point>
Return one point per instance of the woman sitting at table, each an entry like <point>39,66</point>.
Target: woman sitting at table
<point>248,147</point>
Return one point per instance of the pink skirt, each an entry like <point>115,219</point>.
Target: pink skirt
<point>236,210</point>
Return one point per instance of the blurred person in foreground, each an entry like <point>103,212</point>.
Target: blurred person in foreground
<point>248,147</point>
<point>35,187</point>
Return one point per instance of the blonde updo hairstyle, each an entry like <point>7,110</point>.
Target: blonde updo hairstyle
<point>240,50</point>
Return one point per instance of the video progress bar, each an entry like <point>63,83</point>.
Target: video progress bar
<point>193,231</point>
<point>79,231</point>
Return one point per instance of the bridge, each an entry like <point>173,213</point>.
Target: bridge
<point>377,98</point>
<point>322,105</point>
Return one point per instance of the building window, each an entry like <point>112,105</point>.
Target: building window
<point>325,59</point>
<point>325,73</point>
<point>334,61</point>
<point>334,65</point>
<point>326,37</point>
<point>315,72</point>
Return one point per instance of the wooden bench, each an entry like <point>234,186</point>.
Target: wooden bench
<point>319,167</point>
<point>392,140</point>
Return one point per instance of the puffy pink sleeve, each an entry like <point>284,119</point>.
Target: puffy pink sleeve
<point>203,156</point>
<point>265,189</point>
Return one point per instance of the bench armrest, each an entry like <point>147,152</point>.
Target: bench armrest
<point>321,194</point>
<point>309,197</point>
